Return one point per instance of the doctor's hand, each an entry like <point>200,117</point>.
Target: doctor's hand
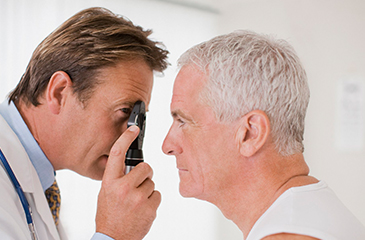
<point>127,204</point>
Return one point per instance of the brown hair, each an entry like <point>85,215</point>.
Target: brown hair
<point>90,40</point>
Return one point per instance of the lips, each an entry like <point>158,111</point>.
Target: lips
<point>182,169</point>
<point>180,166</point>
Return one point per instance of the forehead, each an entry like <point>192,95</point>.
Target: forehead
<point>130,81</point>
<point>188,84</point>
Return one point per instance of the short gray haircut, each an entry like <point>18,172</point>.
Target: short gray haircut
<point>249,71</point>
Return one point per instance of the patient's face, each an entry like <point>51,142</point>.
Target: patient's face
<point>202,145</point>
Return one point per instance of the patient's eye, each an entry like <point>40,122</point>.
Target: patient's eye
<point>180,121</point>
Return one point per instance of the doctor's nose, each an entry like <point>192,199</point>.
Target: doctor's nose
<point>170,145</point>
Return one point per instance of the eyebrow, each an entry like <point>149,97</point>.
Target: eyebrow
<point>178,113</point>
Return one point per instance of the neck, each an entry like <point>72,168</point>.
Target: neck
<point>258,188</point>
<point>37,125</point>
<point>28,114</point>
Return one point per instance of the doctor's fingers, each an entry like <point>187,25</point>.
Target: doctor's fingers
<point>115,165</point>
<point>145,195</point>
<point>147,188</point>
<point>137,182</point>
<point>139,174</point>
<point>154,200</point>
<point>148,195</point>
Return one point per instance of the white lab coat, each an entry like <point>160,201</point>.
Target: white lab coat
<point>13,225</point>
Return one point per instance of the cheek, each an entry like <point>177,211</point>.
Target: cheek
<point>111,127</point>
<point>196,160</point>
<point>100,135</point>
<point>211,151</point>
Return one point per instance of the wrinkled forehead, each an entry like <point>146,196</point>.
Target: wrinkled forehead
<point>189,81</point>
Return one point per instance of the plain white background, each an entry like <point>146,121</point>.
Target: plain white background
<point>328,36</point>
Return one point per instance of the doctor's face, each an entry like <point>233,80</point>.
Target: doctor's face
<point>92,128</point>
<point>203,147</point>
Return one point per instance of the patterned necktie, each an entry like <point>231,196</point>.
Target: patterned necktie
<point>54,201</point>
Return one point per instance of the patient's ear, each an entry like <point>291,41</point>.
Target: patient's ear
<point>253,132</point>
<point>58,89</point>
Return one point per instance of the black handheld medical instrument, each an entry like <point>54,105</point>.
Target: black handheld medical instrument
<point>134,154</point>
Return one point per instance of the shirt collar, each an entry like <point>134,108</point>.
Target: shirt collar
<point>39,160</point>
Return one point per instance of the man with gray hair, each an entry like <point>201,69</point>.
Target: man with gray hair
<point>238,108</point>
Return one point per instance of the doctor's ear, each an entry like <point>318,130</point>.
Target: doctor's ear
<point>58,88</point>
<point>253,132</point>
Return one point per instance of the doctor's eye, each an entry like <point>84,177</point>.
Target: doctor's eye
<point>124,112</point>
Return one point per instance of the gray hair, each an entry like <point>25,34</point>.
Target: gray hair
<point>248,71</point>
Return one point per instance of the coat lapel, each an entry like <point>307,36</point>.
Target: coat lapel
<point>26,175</point>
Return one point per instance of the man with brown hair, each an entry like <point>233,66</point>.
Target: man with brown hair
<point>70,111</point>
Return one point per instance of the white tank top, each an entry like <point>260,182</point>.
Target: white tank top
<point>313,210</point>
